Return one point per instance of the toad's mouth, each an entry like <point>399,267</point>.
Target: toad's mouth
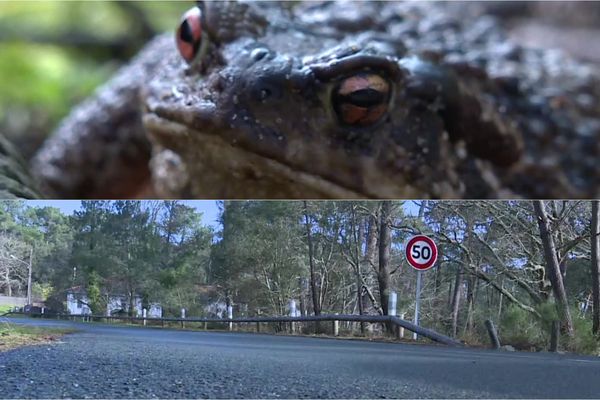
<point>238,164</point>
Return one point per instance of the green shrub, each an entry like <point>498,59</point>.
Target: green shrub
<point>97,302</point>
<point>477,336</point>
<point>584,340</point>
<point>523,330</point>
<point>548,314</point>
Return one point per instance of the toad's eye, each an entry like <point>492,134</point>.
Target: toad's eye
<point>189,34</point>
<point>361,99</point>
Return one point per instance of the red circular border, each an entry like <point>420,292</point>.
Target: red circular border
<point>412,262</point>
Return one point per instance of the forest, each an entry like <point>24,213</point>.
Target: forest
<point>522,264</point>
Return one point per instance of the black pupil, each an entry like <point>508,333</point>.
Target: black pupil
<point>186,33</point>
<point>364,97</point>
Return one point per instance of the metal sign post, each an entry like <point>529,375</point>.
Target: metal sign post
<point>421,254</point>
<point>417,302</point>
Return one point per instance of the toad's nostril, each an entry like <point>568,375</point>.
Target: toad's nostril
<point>259,53</point>
<point>265,89</point>
<point>264,94</point>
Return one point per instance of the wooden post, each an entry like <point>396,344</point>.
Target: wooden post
<point>336,327</point>
<point>392,301</point>
<point>493,334</point>
<point>205,325</point>
<point>292,306</point>
<point>401,328</point>
<point>554,336</point>
<point>258,323</point>
<point>428,333</point>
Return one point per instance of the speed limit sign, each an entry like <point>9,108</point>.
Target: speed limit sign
<point>421,252</point>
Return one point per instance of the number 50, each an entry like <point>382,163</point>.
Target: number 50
<point>421,252</point>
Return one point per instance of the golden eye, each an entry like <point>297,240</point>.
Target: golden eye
<point>189,34</point>
<point>361,99</point>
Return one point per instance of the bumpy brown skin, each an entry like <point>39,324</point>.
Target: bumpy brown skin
<point>470,115</point>
<point>100,150</point>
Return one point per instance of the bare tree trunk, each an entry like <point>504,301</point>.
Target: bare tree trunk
<point>302,305</point>
<point>456,299</point>
<point>450,296</point>
<point>311,263</point>
<point>552,267</point>
<point>371,262</point>
<point>131,303</point>
<point>362,228</point>
<point>385,244</point>
<point>437,281</point>
<point>595,244</point>
<point>500,302</point>
<point>359,297</point>
<point>559,238</point>
<point>471,282</point>
<point>358,233</point>
<point>7,280</point>
<point>371,241</point>
<point>458,282</point>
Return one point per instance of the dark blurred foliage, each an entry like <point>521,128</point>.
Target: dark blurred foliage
<point>54,53</point>
<point>572,26</point>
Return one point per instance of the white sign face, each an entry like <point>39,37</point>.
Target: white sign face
<point>421,252</point>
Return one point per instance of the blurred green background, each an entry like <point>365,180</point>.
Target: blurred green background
<point>54,53</point>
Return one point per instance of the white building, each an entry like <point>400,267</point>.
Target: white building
<point>120,303</point>
<point>217,309</point>
<point>155,311</point>
<point>78,304</point>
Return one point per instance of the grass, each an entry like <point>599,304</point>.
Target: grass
<point>5,309</point>
<point>13,336</point>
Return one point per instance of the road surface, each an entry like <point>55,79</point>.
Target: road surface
<point>107,361</point>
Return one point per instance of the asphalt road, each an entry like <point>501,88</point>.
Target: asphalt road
<point>103,361</point>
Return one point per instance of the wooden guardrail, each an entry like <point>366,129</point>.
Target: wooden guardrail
<point>384,319</point>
